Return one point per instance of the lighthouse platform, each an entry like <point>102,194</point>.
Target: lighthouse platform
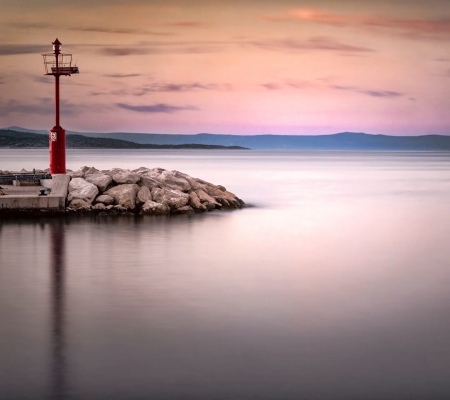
<point>28,198</point>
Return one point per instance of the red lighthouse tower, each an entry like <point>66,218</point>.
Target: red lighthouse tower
<point>58,64</point>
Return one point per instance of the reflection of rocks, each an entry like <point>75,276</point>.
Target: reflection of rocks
<point>147,191</point>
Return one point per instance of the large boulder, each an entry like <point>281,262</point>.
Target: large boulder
<point>149,181</point>
<point>83,190</point>
<point>105,199</point>
<point>171,197</point>
<point>90,171</point>
<point>99,206</point>
<point>184,210</point>
<point>192,182</point>
<point>207,200</point>
<point>140,170</point>
<point>124,195</point>
<point>125,177</point>
<point>195,202</point>
<point>152,208</point>
<point>143,195</point>
<point>224,197</point>
<point>80,173</point>
<point>79,204</point>
<point>102,181</point>
<point>169,179</point>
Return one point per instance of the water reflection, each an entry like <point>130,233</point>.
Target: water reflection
<point>58,322</point>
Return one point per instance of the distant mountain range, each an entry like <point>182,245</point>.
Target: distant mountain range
<point>22,139</point>
<point>338,141</point>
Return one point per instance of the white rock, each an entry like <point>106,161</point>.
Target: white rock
<point>79,204</point>
<point>125,177</point>
<point>150,181</point>
<point>209,201</point>
<point>99,206</point>
<point>195,203</point>
<point>90,171</point>
<point>151,207</point>
<point>105,199</point>
<point>171,197</point>
<point>83,190</point>
<point>124,195</point>
<point>102,181</point>
<point>174,182</point>
<point>143,195</point>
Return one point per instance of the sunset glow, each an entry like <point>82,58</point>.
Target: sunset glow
<point>230,67</point>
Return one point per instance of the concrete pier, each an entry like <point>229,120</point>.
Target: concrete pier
<point>30,200</point>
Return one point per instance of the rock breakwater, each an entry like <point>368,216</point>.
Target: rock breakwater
<point>145,191</point>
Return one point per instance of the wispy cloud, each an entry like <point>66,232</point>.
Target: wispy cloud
<point>156,108</point>
<point>413,28</point>
<point>122,31</point>
<point>15,49</point>
<point>161,48</point>
<point>46,106</point>
<point>163,87</point>
<point>373,93</point>
<point>325,84</point>
<point>126,51</point>
<point>184,24</point>
<point>271,86</point>
<point>314,43</point>
<point>31,25</point>
<point>43,106</point>
<point>179,87</point>
<point>122,75</point>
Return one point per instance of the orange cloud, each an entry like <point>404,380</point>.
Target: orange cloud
<point>185,24</point>
<point>416,27</point>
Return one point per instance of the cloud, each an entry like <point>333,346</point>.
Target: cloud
<point>321,84</point>
<point>162,48</point>
<point>155,108</point>
<point>413,28</point>
<point>125,51</point>
<point>271,86</point>
<point>179,87</point>
<point>15,49</point>
<point>122,31</point>
<point>122,75</point>
<point>163,87</point>
<point>43,106</point>
<point>184,24</point>
<point>314,43</point>
<point>373,93</point>
<point>46,106</point>
<point>31,25</point>
<point>381,93</point>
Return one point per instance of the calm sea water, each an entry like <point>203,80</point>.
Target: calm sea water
<point>333,285</point>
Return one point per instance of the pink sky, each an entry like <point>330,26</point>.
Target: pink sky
<point>228,66</point>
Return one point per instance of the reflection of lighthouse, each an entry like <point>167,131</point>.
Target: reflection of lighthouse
<point>58,64</point>
<point>58,368</point>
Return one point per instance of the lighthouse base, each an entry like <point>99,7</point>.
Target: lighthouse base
<point>57,144</point>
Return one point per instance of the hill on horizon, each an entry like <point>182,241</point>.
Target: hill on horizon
<point>15,139</point>
<point>337,141</point>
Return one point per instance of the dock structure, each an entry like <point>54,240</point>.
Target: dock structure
<point>26,199</point>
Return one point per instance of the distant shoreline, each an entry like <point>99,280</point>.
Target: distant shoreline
<point>344,141</point>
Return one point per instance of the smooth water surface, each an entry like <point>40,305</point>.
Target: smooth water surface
<point>333,285</point>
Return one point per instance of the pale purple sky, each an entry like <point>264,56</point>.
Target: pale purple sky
<point>229,66</point>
